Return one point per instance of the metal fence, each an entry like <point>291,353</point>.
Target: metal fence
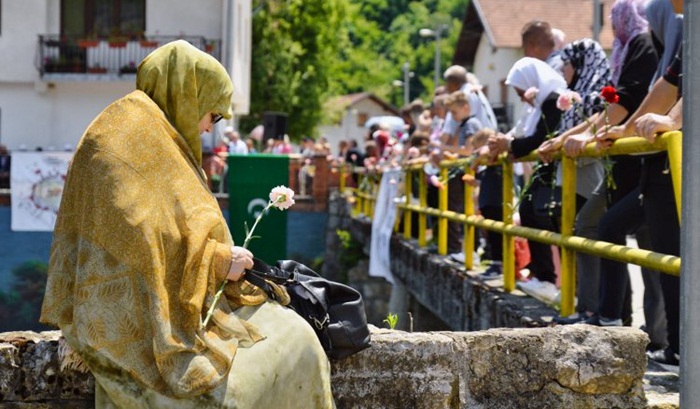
<point>365,197</point>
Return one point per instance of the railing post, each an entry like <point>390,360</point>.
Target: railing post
<point>422,217</point>
<point>407,213</point>
<point>442,206</point>
<point>343,174</point>
<point>373,188</point>
<point>468,243</point>
<point>568,257</point>
<point>674,146</point>
<point>508,239</point>
<point>360,198</point>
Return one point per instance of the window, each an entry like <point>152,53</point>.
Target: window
<point>361,118</point>
<point>103,18</point>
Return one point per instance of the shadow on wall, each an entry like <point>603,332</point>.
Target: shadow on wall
<point>20,306</point>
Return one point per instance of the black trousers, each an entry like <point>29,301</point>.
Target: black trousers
<point>661,216</point>
<point>494,239</point>
<point>622,218</point>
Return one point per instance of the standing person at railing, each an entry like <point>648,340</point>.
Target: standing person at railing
<point>586,71</point>
<point>634,62</point>
<point>656,189</point>
<point>457,79</point>
<point>459,106</point>
<point>540,86</point>
<point>490,200</point>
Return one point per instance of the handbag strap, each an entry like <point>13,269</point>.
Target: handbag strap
<point>270,279</point>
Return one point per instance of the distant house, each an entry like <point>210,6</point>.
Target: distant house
<point>348,114</point>
<point>490,42</point>
<point>66,60</point>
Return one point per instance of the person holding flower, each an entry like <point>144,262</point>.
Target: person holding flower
<point>660,111</point>
<point>140,248</point>
<point>540,86</point>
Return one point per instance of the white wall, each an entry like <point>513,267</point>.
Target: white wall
<point>56,115</point>
<point>348,128</point>
<point>44,113</point>
<point>237,37</point>
<point>22,21</point>
<point>491,66</point>
<point>201,17</point>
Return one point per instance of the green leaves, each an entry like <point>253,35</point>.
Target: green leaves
<point>306,51</point>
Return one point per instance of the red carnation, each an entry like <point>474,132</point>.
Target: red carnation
<point>609,94</point>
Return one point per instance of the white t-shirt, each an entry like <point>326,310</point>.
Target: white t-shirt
<point>238,147</point>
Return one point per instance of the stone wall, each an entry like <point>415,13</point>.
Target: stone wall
<point>442,295</point>
<point>375,291</point>
<point>560,367</point>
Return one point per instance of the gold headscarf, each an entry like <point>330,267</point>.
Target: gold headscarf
<point>186,83</point>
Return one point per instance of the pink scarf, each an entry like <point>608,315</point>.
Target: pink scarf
<point>628,20</point>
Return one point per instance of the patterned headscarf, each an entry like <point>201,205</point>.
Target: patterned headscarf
<point>186,83</point>
<point>591,74</point>
<point>530,72</point>
<point>628,20</point>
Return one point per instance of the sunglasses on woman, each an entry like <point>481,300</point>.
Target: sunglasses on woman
<point>216,118</point>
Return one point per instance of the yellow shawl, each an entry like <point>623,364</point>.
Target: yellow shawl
<point>140,244</point>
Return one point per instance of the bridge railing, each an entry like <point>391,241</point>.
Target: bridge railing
<point>366,192</point>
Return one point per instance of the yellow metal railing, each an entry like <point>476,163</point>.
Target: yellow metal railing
<point>567,242</point>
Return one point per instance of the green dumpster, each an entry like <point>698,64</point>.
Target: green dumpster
<point>250,180</point>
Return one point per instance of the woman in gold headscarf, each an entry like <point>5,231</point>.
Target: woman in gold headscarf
<point>140,247</point>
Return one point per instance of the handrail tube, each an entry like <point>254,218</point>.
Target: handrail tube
<point>645,258</point>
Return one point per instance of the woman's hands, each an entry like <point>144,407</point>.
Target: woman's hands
<point>650,125</point>
<point>499,143</point>
<point>549,147</point>
<point>241,259</point>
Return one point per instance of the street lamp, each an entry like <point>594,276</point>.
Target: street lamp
<point>426,32</point>
<point>406,83</point>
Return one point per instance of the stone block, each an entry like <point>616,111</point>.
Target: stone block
<point>561,367</point>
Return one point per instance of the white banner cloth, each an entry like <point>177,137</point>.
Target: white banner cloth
<point>36,180</point>
<point>383,225</point>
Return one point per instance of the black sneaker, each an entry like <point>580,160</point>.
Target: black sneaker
<point>574,318</point>
<point>494,271</point>
<point>664,356</point>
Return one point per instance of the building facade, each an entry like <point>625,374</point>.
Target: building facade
<point>66,60</point>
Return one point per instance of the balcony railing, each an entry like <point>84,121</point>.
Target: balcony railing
<point>66,56</point>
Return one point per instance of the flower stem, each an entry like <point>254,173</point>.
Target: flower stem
<point>248,237</point>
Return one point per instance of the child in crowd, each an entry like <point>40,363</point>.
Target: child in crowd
<point>458,104</point>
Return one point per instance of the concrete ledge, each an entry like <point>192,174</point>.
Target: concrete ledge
<point>558,367</point>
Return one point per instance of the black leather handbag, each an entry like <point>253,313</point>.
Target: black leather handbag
<point>335,311</point>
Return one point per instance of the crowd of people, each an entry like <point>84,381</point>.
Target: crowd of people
<point>573,95</point>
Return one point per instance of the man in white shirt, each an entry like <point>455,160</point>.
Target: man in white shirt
<point>235,145</point>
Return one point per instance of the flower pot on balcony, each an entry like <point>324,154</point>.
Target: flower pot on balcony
<point>148,44</point>
<point>117,44</point>
<point>88,43</point>
<point>127,70</point>
<point>97,70</point>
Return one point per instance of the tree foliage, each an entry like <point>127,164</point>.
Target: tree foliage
<point>306,51</point>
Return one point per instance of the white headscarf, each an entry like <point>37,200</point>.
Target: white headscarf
<point>530,72</point>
